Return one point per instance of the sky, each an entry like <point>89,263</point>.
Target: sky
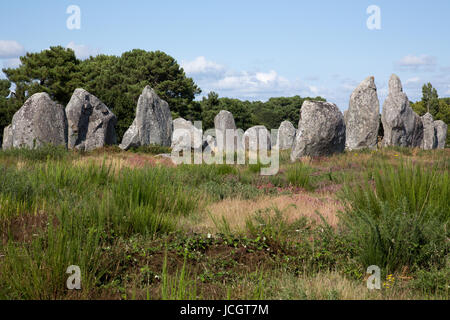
<point>251,49</point>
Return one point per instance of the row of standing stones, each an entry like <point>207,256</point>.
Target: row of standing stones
<point>87,124</point>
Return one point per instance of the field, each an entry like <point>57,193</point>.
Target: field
<point>140,227</point>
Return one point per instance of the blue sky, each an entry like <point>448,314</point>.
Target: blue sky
<point>252,49</point>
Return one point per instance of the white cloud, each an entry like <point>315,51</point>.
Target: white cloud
<point>251,85</point>
<point>201,68</point>
<point>82,51</point>
<point>10,49</point>
<point>416,63</point>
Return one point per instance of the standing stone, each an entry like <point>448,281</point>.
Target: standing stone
<point>441,133</point>
<point>91,125</point>
<point>224,124</point>
<point>7,138</point>
<point>321,130</point>
<point>285,136</point>
<point>257,138</point>
<point>185,135</point>
<point>402,126</point>
<point>40,121</point>
<point>429,141</point>
<point>362,116</point>
<point>153,123</point>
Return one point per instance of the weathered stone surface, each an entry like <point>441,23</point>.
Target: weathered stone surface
<point>362,116</point>
<point>256,138</point>
<point>285,136</point>
<point>224,125</point>
<point>185,135</point>
<point>7,138</point>
<point>91,125</point>
<point>153,122</point>
<point>321,130</point>
<point>402,126</point>
<point>441,133</point>
<point>429,140</point>
<point>39,121</point>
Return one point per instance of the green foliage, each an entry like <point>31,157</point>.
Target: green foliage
<point>55,71</point>
<point>119,81</point>
<point>43,153</point>
<point>299,175</point>
<point>402,219</point>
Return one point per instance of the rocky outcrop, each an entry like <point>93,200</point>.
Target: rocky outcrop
<point>285,136</point>
<point>7,138</point>
<point>429,140</point>
<point>38,122</point>
<point>225,125</point>
<point>152,125</point>
<point>257,138</point>
<point>362,116</point>
<point>91,125</point>
<point>321,130</point>
<point>441,133</point>
<point>185,135</point>
<point>402,126</point>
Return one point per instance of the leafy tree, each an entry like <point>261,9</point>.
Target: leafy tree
<point>438,108</point>
<point>119,81</point>
<point>8,106</point>
<point>55,71</point>
<point>430,98</point>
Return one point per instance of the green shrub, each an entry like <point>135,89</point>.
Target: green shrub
<point>400,218</point>
<point>299,175</point>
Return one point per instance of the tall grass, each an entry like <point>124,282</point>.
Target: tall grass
<point>400,218</point>
<point>299,175</point>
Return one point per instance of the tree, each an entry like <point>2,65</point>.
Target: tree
<point>55,71</point>
<point>8,106</point>
<point>119,81</point>
<point>430,98</point>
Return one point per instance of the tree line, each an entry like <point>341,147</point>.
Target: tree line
<point>119,80</point>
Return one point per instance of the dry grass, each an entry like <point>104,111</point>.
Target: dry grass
<point>236,211</point>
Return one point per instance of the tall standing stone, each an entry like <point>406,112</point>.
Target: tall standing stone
<point>441,133</point>
<point>38,122</point>
<point>91,125</point>
<point>7,138</point>
<point>321,130</point>
<point>429,141</point>
<point>153,123</point>
<point>285,136</point>
<point>362,116</point>
<point>402,126</point>
<point>225,125</point>
<point>257,138</point>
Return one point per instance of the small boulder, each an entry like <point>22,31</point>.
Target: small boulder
<point>402,126</point>
<point>153,123</point>
<point>225,125</point>
<point>285,136</point>
<point>321,130</point>
<point>91,125</point>
<point>362,116</point>
<point>7,138</point>
<point>429,140</point>
<point>256,138</point>
<point>441,134</point>
<point>38,122</point>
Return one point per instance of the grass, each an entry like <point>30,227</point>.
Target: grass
<point>142,228</point>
